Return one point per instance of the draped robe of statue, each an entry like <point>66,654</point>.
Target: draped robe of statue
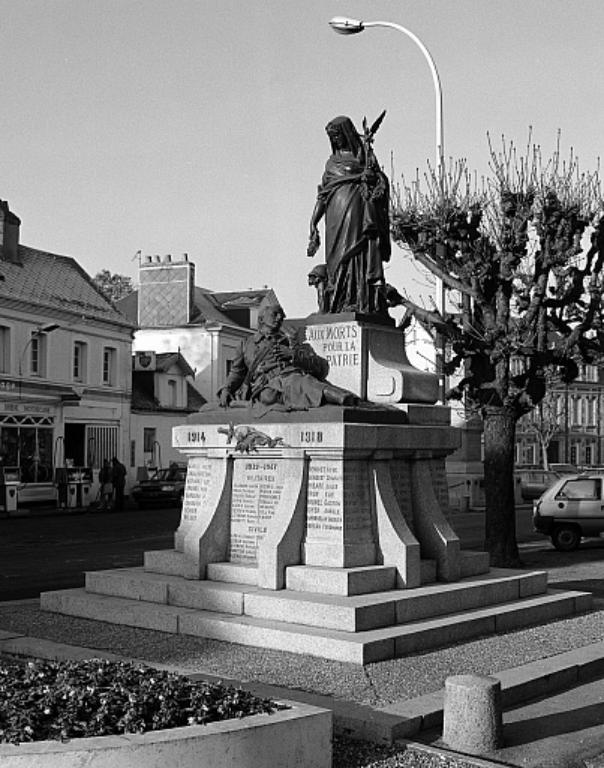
<point>357,237</point>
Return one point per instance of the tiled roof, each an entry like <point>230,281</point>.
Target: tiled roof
<point>142,401</point>
<point>207,309</point>
<point>164,361</point>
<point>243,298</point>
<point>54,281</point>
<point>194,398</point>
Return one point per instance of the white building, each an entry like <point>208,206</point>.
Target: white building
<point>65,367</point>
<point>163,395</point>
<point>205,327</point>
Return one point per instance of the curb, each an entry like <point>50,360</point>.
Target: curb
<point>399,720</point>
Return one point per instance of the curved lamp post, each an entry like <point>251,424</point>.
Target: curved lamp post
<point>345,26</point>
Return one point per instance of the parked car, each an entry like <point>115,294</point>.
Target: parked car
<point>533,482</point>
<point>164,487</point>
<point>573,507</point>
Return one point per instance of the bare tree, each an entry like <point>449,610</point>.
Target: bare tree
<point>526,290</point>
<point>546,420</point>
<point>113,286</point>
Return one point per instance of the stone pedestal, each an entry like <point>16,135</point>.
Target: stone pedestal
<point>367,356</point>
<point>332,488</point>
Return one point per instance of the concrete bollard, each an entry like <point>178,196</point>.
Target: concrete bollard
<point>472,714</point>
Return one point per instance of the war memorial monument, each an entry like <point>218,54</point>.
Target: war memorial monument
<point>315,518</point>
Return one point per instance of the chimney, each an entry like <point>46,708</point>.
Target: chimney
<point>9,234</point>
<point>166,292</point>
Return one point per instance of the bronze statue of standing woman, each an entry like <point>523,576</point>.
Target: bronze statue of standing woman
<point>354,200</point>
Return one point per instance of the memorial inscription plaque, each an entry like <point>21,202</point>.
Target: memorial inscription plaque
<point>324,508</point>
<point>257,489</point>
<point>199,476</point>
<point>339,519</point>
<point>340,345</point>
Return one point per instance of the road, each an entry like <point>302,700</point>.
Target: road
<point>44,552</point>
<point>39,553</point>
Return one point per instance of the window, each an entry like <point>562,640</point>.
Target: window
<point>172,394</point>
<point>588,454</point>
<point>36,355</point>
<point>102,442</point>
<point>150,447</point>
<point>582,488</point>
<point>573,455</point>
<point>26,443</point>
<point>109,366</point>
<point>148,439</point>
<point>4,349</point>
<point>517,366</point>
<point>588,373</point>
<point>561,405</point>
<point>79,361</point>
<point>528,454</point>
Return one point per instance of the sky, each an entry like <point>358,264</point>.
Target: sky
<point>198,126</point>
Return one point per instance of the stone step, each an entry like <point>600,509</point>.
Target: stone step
<point>359,647</point>
<point>137,584</point>
<point>473,563</point>
<point>164,561</point>
<point>350,581</point>
<point>350,614</point>
<point>236,573</point>
<point>340,581</point>
<point>394,607</point>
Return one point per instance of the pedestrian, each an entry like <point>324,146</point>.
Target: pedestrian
<point>106,485</point>
<point>118,478</point>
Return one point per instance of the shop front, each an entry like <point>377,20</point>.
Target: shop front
<point>27,437</point>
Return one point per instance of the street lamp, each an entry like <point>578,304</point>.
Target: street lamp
<point>345,26</point>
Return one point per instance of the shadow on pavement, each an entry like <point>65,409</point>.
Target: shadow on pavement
<point>555,724</point>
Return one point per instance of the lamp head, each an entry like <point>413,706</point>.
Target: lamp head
<point>345,26</point>
<point>48,328</point>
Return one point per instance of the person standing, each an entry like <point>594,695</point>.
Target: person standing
<point>118,478</point>
<point>106,483</point>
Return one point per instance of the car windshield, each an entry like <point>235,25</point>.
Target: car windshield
<point>170,473</point>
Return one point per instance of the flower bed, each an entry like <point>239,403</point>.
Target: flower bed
<point>64,700</point>
<point>132,715</point>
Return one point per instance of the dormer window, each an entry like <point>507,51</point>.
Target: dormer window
<point>172,393</point>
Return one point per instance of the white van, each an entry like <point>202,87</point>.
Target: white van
<point>571,508</point>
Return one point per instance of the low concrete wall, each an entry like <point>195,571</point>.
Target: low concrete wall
<point>299,737</point>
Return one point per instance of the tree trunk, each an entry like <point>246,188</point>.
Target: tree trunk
<point>500,518</point>
<point>544,459</point>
